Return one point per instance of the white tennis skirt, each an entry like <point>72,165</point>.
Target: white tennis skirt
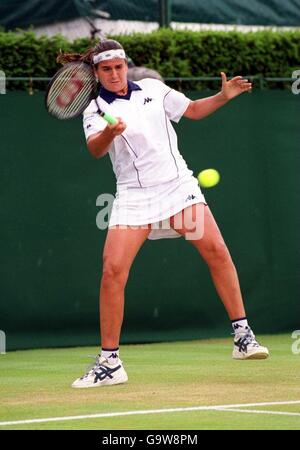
<point>154,205</point>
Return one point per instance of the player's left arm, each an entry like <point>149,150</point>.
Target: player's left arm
<point>203,107</point>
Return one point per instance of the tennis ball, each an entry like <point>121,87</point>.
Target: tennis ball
<point>208,178</point>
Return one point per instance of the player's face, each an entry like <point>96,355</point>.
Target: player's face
<point>112,74</point>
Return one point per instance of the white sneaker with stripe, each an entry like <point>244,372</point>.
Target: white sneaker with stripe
<point>102,374</point>
<point>247,347</point>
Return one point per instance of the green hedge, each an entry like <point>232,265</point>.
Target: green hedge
<point>173,54</point>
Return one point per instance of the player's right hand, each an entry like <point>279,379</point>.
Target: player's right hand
<point>118,128</point>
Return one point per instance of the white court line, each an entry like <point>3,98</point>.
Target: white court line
<point>257,411</point>
<point>150,411</point>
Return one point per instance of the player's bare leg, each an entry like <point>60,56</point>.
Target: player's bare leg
<point>121,247</point>
<point>214,251</point>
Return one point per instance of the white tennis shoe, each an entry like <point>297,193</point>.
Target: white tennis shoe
<point>247,347</point>
<point>102,374</point>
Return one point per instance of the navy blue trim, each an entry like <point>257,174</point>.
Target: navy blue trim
<point>170,145</point>
<point>137,172</point>
<point>110,349</point>
<point>110,97</point>
<point>237,320</point>
<point>133,86</point>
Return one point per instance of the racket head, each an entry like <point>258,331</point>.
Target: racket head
<point>71,90</point>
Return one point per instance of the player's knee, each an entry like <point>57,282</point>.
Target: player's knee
<point>216,253</point>
<point>114,271</point>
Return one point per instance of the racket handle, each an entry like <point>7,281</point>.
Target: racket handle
<point>110,119</point>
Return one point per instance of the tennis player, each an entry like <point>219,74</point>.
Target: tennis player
<point>154,186</point>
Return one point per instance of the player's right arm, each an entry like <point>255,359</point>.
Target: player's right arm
<point>99,143</point>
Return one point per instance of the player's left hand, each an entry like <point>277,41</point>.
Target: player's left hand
<point>235,86</point>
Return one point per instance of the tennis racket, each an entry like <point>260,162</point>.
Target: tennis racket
<point>71,90</point>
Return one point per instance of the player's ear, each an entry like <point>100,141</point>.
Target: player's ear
<point>95,70</point>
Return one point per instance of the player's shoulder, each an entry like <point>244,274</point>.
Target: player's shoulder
<point>145,82</point>
<point>153,86</point>
<point>91,109</point>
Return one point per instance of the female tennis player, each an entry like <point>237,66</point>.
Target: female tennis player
<point>154,187</point>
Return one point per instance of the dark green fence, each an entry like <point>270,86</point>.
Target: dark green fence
<point>51,248</point>
<point>37,12</point>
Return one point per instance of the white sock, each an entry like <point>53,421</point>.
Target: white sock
<point>240,326</point>
<point>111,355</point>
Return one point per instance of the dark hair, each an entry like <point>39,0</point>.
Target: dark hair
<point>101,46</point>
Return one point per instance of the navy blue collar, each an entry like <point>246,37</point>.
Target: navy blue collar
<point>109,96</point>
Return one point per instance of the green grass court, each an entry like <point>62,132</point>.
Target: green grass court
<point>35,384</point>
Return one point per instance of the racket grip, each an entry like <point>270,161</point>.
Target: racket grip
<point>110,119</point>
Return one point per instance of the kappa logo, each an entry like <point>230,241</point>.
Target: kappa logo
<point>113,355</point>
<point>190,197</point>
<point>147,100</point>
<point>236,326</point>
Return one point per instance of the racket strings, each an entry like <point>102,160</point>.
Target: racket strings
<point>85,92</point>
<point>62,81</point>
<point>66,92</point>
<point>71,91</point>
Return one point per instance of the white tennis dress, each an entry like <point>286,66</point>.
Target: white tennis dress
<point>153,180</point>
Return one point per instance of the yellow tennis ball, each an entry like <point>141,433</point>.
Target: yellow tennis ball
<point>208,178</point>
